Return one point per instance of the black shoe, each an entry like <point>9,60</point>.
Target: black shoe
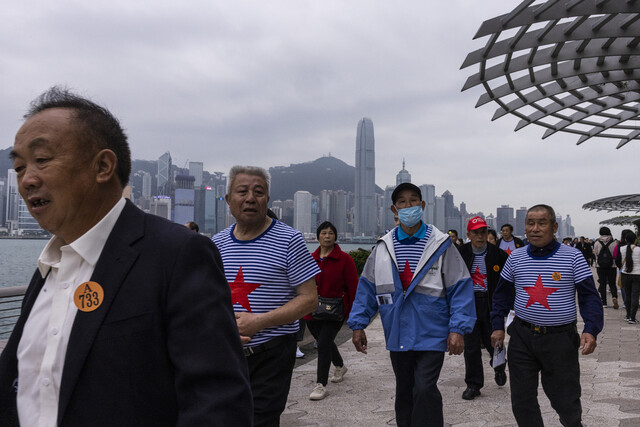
<point>470,393</point>
<point>501,378</point>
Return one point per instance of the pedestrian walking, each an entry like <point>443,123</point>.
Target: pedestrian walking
<point>540,281</point>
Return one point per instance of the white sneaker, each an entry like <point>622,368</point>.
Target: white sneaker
<point>299,353</point>
<point>318,393</point>
<point>338,374</point>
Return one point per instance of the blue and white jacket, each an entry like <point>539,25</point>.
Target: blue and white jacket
<point>439,299</point>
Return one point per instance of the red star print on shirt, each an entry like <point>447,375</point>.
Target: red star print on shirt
<point>406,275</point>
<point>240,290</point>
<point>539,294</point>
<point>479,278</point>
<point>508,251</point>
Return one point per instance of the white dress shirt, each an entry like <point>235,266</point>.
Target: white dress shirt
<point>43,345</point>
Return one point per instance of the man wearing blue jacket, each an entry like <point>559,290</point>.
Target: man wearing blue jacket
<point>418,281</point>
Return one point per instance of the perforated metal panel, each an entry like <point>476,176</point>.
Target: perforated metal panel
<point>566,65</point>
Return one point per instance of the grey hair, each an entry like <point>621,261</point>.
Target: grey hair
<point>248,170</point>
<point>550,212</point>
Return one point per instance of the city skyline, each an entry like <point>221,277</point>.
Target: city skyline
<point>266,83</point>
<point>440,211</point>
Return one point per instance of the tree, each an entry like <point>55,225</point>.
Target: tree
<point>360,258</point>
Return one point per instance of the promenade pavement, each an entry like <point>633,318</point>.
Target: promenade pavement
<point>610,385</point>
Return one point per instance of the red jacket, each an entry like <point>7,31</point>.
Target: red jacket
<point>338,277</point>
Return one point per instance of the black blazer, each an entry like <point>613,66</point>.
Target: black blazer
<point>162,349</point>
<point>493,261</point>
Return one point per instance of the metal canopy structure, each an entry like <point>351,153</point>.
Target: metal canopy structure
<point>622,220</point>
<point>566,65</point>
<point>629,202</point>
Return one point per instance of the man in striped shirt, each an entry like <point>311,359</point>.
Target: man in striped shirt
<point>272,279</point>
<point>540,281</point>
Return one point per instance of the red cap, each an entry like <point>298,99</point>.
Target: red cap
<point>475,223</point>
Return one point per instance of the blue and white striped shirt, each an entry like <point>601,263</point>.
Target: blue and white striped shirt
<point>264,272</point>
<point>545,287</point>
<point>408,253</point>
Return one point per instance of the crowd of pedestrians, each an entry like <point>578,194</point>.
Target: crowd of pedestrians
<point>616,275</point>
<point>170,329</point>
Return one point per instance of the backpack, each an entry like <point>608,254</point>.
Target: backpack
<point>605,259</point>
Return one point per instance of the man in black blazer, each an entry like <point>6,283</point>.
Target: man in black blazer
<point>128,318</point>
<point>484,262</point>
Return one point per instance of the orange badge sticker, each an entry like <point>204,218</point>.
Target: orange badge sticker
<point>556,276</point>
<point>496,268</point>
<point>88,296</point>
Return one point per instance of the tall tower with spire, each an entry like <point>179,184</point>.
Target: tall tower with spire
<point>403,175</point>
<point>365,203</point>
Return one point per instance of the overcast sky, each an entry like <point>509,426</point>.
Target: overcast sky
<point>277,82</point>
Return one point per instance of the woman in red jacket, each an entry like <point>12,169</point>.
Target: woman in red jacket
<point>338,279</point>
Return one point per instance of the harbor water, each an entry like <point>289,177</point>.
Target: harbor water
<point>18,258</point>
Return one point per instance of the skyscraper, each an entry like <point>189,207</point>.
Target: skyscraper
<point>184,199</point>
<point>403,175</point>
<point>18,219</point>
<point>521,215</point>
<point>324,206</point>
<point>380,214</point>
<point>448,203</point>
<point>210,200</point>
<point>365,208</point>
<point>146,185</point>
<point>3,200</point>
<point>562,232</point>
<point>429,196</point>
<point>504,215</point>
<point>13,198</point>
<point>491,222</point>
<point>161,206</point>
<point>195,170</point>
<point>315,212</point>
<point>338,209</point>
<point>302,211</point>
<point>439,217</point>
<point>164,174</point>
<point>388,215</point>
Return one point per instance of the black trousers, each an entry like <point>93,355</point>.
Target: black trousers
<point>481,334</point>
<point>607,276</point>
<point>300,334</point>
<point>418,400</point>
<point>325,331</point>
<point>553,356</point>
<point>270,376</point>
<point>631,286</point>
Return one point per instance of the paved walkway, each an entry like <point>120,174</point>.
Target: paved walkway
<point>610,386</point>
